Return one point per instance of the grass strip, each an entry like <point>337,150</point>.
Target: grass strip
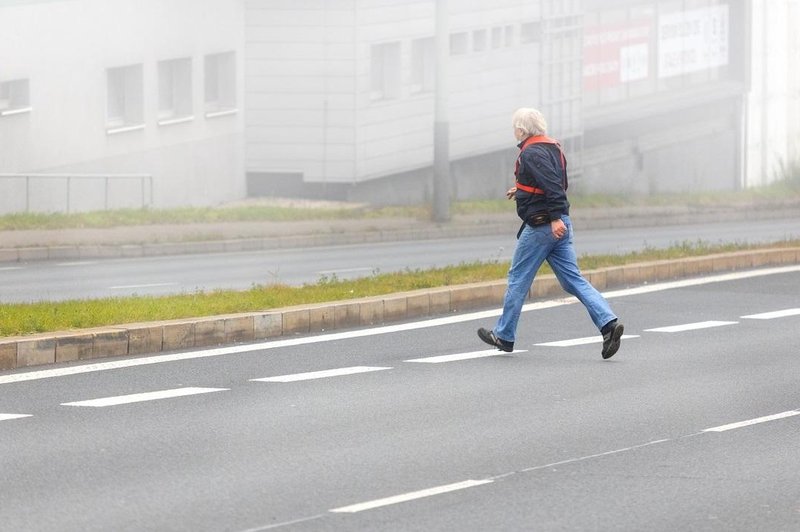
<point>29,318</point>
<point>780,191</point>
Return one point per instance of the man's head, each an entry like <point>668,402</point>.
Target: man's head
<point>528,122</point>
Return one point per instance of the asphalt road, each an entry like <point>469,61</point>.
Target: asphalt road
<point>56,281</point>
<point>693,425</point>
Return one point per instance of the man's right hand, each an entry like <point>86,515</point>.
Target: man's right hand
<point>511,192</point>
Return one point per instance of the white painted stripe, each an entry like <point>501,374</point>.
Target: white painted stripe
<point>699,281</point>
<point>6,417</point>
<point>464,356</point>
<point>740,424</point>
<point>150,285</point>
<point>345,270</point>
<point>83,263</point>
<point>320,374</point>
<point>582,341</point>
<point>773,315</point>
<point>692,326</point>
<point>331,337</point>
<point>10,268</point>
<point>587,457</point>
<point>410,496</point>
<point>147,396</point>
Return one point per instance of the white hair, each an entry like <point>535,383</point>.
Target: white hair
<point>529,120</point>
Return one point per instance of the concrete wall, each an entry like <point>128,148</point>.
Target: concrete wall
<point>64,48</point>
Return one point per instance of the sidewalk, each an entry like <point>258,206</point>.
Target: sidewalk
<point>132,241</point>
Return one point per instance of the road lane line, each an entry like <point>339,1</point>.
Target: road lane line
<point>377,503</point>
<point>387,329</point>
<point>150,285</point>
<point>699,281</point>
<point>740,424</point>
<point>692,326</point>
<point>10,268</point>
<point>81,263</point>
<point>463,356</point>
<point>582,341</point>
<point>6,417</point>
<point>311,375</point>
<point>147,396</point>
<point>345,271</point>
<point>773,315</point>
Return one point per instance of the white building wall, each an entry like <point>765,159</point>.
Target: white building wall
<point>772,127</point>
<point>309,85</point>
<point>301,105</point>
<point>64,49</point>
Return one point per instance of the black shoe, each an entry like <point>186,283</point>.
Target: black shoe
<point>611,338</point>
<point>491,339</point>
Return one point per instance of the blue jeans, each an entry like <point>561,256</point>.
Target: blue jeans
<point>535,245</point>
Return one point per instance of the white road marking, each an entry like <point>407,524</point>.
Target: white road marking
<point>140,397</point>
<point>692,326</point>
<point>464,356</point>
<point>582,458</point>
<point>83,263</point>
<point>6,417</point>
<point>10,268</point>
<point>150,285</point>
<point>740,424</point>
<point>332,337</point>
<point>773,315</point>
<point>687,283</point>
<point>320,374</point>
<point>345,270</point>
<point>582,341</point>
<point>377,503</point>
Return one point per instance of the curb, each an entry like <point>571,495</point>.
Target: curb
<point>158,337</point>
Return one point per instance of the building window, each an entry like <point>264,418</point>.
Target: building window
<point>220,84</point>
<point>459,43</point>
<point>509,35</point>
<point>125,106</point>
<point>423,65</point>
<point>530,32</point>
<point>497,37</point>
<point>174,91</point>
<point>14,97</point>
<point>479,40</point>
<point>385,71</point>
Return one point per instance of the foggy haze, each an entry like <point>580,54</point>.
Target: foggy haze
<point>120,103</point>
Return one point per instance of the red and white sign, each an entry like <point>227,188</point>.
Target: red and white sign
<point>616,54</point>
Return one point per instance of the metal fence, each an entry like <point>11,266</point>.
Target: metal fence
<point>146,185</point>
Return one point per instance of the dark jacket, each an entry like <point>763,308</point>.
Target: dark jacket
<point>540,167</point>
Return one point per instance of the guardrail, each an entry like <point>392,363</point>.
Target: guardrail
<point>147,198</point>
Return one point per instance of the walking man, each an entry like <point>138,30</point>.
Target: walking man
<point>546,234</point>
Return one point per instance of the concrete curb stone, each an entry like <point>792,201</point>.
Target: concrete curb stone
<point>159,337</point>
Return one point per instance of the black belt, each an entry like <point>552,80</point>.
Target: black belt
<point>539,218</point>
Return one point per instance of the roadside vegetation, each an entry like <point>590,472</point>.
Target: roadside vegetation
<point>21,319</point>
<point>785,190</point>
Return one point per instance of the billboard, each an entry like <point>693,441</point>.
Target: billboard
<point>616,54</point>
<point>693,40</point>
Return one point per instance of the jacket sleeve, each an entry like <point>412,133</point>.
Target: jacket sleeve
<point>548,176</point>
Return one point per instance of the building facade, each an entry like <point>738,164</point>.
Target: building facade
<point>647,96</point>
<point>111,87</point>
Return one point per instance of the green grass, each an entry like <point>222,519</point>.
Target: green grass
<point>21,319</point>
<point>785,189</point>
